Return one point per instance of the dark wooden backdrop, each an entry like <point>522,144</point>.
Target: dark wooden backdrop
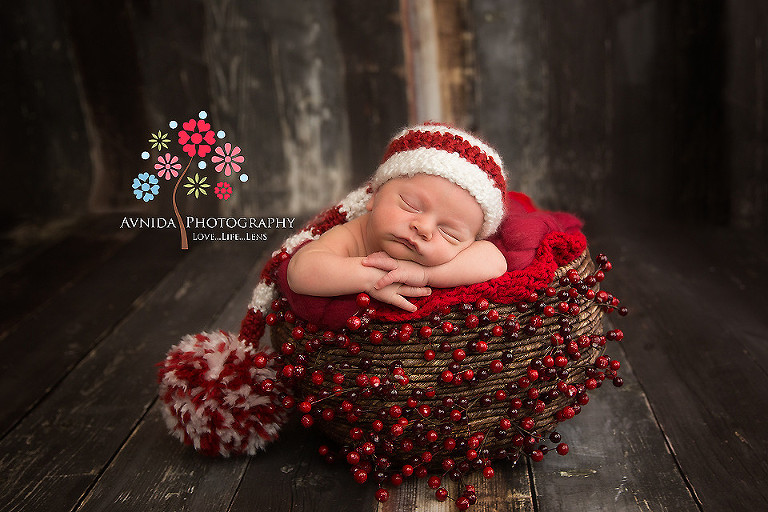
<point>594,104</point>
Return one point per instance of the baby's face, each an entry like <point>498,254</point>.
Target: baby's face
<point>426,219</point>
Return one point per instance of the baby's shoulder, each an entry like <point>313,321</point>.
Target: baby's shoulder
<point>346,239</point>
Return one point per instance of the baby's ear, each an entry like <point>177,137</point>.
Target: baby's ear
<point>369,204</point>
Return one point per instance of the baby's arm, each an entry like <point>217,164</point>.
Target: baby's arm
<point>324,268</point>
<point>479,262</point>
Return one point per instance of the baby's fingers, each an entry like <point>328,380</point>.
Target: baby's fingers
<point>415,291</point>
<point>380,260</point>
<point>387,280</point>
<point>403,303</point>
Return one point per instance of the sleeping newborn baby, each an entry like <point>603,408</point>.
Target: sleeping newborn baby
<point>437,195</point>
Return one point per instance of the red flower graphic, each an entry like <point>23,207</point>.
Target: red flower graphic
<point>199,132</point>
<point>223,190</point>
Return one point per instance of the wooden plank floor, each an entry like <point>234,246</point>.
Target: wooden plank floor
<point>85,318</point>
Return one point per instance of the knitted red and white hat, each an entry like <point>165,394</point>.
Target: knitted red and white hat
<point>455,155</point>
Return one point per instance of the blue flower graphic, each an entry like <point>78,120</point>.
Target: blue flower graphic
<point>145,186</point>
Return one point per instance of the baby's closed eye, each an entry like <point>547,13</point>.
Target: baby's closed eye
<point>409,204</point>
<point>450,235</point>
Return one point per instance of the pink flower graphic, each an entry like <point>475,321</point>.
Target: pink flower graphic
<point>167,166</point>
<point>199,132</point>
<point>223,190</point>
<point>227,159</point>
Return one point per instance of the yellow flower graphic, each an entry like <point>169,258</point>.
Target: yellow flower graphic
<point>197,185</point>
<point>159,140</point>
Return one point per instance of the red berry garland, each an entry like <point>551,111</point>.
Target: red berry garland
<point>451,395</point>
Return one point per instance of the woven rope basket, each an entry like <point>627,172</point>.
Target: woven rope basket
<point>521,342</point>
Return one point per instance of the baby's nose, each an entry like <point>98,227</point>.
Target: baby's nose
<point>422,228</point>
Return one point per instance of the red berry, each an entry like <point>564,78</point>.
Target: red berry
<point>376,337</point>
<point>429,354</point>
<point>441,494</point>
<point>496,366</point>
<point>462,503</point>
<point>488,472</point>
<point>472,321</point>
<point>353,458</point>
<point>307,421</point>
<point>354,323</point>
<point>447,327</point>
<point>459,355</point>
<point>425,332</point>
<point>562,448</point>
<point>360,476</point>
<point>527,423</point>
<point>297,333</point>
<point>363,300</point>
<point>260,360</point>
<point>382,495</point>
<point>537,455</point>
<point>434,482</point>
<point>446,376</point>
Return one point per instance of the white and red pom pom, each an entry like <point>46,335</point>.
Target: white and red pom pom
<point>219,396</point>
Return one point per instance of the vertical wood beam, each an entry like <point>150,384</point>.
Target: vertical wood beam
<point>421,60</point>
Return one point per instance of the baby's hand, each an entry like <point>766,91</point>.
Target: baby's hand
<point>396,294</point>
<point>398,271</point>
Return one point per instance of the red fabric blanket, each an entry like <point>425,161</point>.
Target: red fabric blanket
<point>533,242</point>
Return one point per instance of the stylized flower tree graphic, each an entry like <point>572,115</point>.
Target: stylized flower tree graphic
<point>197,140</point>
